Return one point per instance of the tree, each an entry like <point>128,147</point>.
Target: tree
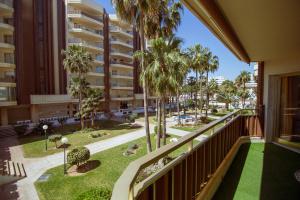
<point>91,105</point>
<point>211,64</point>
<point>78,61</point>
<point>212,88</point>
<point>241,81</point>
<point>227,93</point>
<point>196,54</point>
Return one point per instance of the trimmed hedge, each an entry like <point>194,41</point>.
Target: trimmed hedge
<point>54,138</point>
<point>101,193</point>
<point>78,156</point>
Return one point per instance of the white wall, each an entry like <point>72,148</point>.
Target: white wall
<point>278,67</point>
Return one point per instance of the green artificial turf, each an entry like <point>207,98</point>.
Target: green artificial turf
<point>34,146</point>
<point>261,171</point>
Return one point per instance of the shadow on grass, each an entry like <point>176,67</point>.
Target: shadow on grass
<point>104,125</point>
<point>88,166</point>
<point>231,180</point>
<point>278,180</point>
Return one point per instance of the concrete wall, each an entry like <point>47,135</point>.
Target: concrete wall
<point>286,66</point>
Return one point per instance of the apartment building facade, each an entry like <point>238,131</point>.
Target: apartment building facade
<point>33,81</point>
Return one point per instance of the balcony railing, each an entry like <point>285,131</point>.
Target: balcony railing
<point>7,41</point>
<point>7,60</point>
<point>8,21</point>
<point>128,53</point>
<point>130,43</point>
<point>121,74</point>
<point>7,2</point>
<point>7,94</point>
<point>186,176</point>
<point>99,19</point>
<point>121,85</point>
<point>7,79</point>
<point>121,63</point>
<point>80,41</point>
<point>114,28</point>
<point>78,26</point>
<point>122,96</point>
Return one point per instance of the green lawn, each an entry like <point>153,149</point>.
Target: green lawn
<point>261,171</point>
<point>152,119</point>
<point>34,146</point>
<point>112,164</point>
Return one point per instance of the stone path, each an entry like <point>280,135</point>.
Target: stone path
<point>35,167</point>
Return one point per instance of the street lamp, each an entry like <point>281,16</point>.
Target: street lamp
<point>64,141</point>
<point>45,127</point>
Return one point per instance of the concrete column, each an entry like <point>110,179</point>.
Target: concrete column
<point>34,110</point>
<point>4,117</point>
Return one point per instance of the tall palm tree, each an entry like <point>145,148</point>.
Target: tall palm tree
<point>212,88</point>
<point>227,93</point>
<point>241,81</point>
<point>196,54</point>
<point>78,61</point>
<point>211,65</point>
<point>134,12</point>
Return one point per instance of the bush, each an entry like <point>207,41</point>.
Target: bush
<point>101,193</point>
<point>86,130</point>
<point>21,129</point>
<point>214,110</point>
<point>97,134</point>
<point>78,156</point>
<point>55,138</point>
<point>131,118</point>
<point>39,128</point>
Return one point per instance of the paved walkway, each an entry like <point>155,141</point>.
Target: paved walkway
<point>35,167</point>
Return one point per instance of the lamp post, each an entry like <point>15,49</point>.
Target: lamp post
<point>64,141</point>
<point>45,127</point>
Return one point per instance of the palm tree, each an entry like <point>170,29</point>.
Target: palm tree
<point>227,93</point>
<point>211,65</point>
<point>134,12</point>
<point>78,61</point>
<point>241,81</point>
<point>196,54</point>
<point>212,88</point>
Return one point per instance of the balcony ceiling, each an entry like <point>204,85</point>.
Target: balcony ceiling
<point>254,30</point>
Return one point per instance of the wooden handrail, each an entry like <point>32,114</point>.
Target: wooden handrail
<point>124,187</point>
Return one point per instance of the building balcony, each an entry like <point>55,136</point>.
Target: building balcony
<point>116,42</point>
<point>7,64</point>
<point>92,46</point>
<point>84,18</point>
<point>84,32</point>
<point>120,32</point>
<point>196,173</point>
<point>87,5</point>
<point>122,75</point>
<point>121,54</point>
<point>6,27</point>
<point>48,99</point>
<point>7,45</point>
<point>98,60</point>
<point>7,95</point>
<point>128,97</point>
<point>6,7</point>
<point>98,74</point>
<point>116,86</point>
<point>119,64</point>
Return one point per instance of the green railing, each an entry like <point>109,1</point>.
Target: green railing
<point>186,175</point>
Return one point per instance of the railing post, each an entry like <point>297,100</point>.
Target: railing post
<point>190,146</point>
<point>131,194</point>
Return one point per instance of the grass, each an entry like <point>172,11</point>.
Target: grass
<point>261,171</point>
<point>112,164</point>
<point>34,146</point>
<point>152,119</point>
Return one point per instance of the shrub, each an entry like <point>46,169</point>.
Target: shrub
<point>131,118</point>
<point>101,193</point>
<point>21,129</point>
<point>39,128</point>
<point>214,110</point>
<point>97,134</point>
<point>78,156</point>
<point>203,119</point>
<point>55,138</point>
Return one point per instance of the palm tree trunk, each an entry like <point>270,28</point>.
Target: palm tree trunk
<point>164,121</point>
<point>156,112</point>
<point>158,124</point>
<point>145,87</point>
<point>93,120</point>
<point>178,106</point>
<point>207,95</point>
<point>79,107</point>
<point>196,99</point>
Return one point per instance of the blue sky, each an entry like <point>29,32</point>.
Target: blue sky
<point>192,31</point>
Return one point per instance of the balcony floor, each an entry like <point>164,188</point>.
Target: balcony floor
<point>261,171</point>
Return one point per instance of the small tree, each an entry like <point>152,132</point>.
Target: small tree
<point>78,156</point>
<point>55,138</point>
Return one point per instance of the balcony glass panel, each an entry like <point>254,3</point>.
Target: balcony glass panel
<point>84,42</point>
<point>99,70</point>
<point>115,28</point>
<point>121,62</point>
<point>129,42</point>
<point>74,11</point>
<point>118,73</point>
<point>79,26</point>
<point>7,94</point>
<point>7,77</point>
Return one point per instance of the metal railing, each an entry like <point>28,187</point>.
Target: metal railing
<point>121,63</point>
<point>85,14</point>
<point>78,26</point>
<point>83,42</point>
<point>7,2</point>
<point>122,41</point>
<point>185,176</point>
